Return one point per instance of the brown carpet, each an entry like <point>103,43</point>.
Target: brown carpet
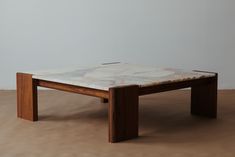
<point>75,125</point>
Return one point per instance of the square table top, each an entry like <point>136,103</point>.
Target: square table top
<point>105,76</point>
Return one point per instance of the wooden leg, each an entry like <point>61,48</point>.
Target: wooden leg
<point>26,97</point>
<point>104,100</point>
<point>123,113</point>
<point>204,98</point>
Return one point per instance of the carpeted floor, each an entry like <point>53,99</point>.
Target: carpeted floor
<point>75,125</point>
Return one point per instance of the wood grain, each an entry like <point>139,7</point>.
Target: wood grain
<point>73,89</point>
<point>123,100</point>
<point>27,107</point>
<point>123,113</point>
<point>150,89</point>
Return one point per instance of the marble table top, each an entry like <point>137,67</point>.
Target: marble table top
<point>104,76</point>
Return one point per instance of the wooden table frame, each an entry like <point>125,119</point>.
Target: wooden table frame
<point>123,100</point>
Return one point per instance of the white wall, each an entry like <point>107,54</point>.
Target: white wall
<point>42,34</point>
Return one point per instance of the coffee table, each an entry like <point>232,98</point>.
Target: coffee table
<point>119,84</point>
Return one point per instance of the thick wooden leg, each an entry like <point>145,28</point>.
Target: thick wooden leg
<point>123,113</point>
<point>204,98</point>
<point>26,97</point>
<point>104,100</point>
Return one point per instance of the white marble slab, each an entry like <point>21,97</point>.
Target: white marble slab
<point>110,75</point>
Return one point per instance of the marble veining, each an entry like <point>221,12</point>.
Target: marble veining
<point>110,75</point>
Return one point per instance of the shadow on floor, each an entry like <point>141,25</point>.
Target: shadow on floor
<point>157,123</point>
